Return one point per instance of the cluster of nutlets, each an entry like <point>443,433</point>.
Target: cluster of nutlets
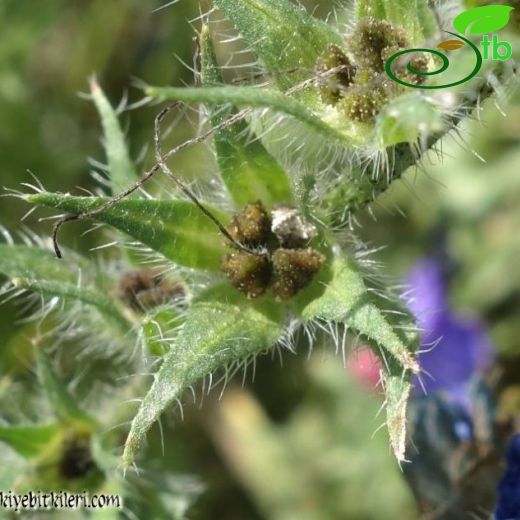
<point>361,87</point>
<point>280,257</point>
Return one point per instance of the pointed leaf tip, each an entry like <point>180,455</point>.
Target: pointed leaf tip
<point>121,168</point>
<point>397,393</point>
<point>246,167</point>
<point>349,299</point>
<point>214,336</point>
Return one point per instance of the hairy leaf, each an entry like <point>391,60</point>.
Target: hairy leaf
<point>120,166</point>
<point>37,269</point>
<point>29,440</point>
<point>413,15</point>
<point>284,36</point>
<point>345,297</point>
<point>348,298</point>
<point>214,336</point>
<point>64,405</point>
<point>175,228</point>
<point>248,170</point>
<point>249,97</point>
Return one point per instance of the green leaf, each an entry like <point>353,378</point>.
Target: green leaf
<point>64,405</point>
<point>215,336</point>
<point>348,298</point>
<point>488,18</point>
<point>373,8</point>
<point>412,15</point>
<point>120,166</point>
<point>37,269</point>
<point>427,21</point>
<point>249,172</point>
<point>29,440</point>
<point>175,228</point>
<point>345,297</point>
<point>249,97</point>
<point>285,37</point>
<point>35,263</point>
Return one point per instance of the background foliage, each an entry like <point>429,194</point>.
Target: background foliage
<point>294,443</point>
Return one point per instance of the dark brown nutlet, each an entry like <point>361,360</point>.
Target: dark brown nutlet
<point>362,104</point>
<point>293,269</point>
<point>251,226</point>
<point>331,86</point>
<point>419,63</point>
<point>77,461</point>
<point>247,272</point>
<point>373,40</point>
<point>143,289</point>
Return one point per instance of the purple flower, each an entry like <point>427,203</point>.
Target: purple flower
<point>454,348</point>
<point>508,507</point>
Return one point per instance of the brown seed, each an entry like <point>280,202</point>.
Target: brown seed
<point>420,64</point>
<point>362,104</point>
<point>371,41</point>
<point>293,269</point>
<point>251,226</point>
<point>247,272</point>
<point>76,461</point>
<point>418,61</point>
<point>332,86</point>
<point>146,288</point>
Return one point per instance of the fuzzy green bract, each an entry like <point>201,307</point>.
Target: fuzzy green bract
<point>286,147</point>
<point>285,38</point>
<point>348,300</point>
<point>28,440</point>
<point>121,168</point>
<point>35,269</point>
<point>246,167</point>
<point>214,335</point>
<point>414,15</point>
<point>175,228</point>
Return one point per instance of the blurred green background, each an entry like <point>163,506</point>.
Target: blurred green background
<point>297,442</point>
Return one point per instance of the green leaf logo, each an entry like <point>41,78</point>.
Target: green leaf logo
<point>484,19</point>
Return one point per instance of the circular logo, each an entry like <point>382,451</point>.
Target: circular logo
<point>442,68</point>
